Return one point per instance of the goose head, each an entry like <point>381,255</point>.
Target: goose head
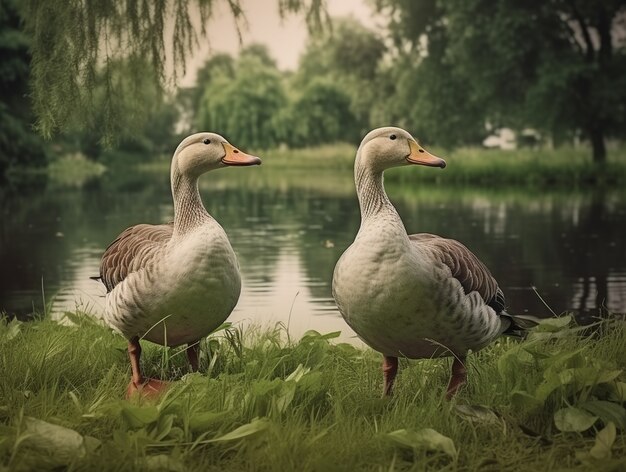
<point>203,152</point>
<point>388,147</point>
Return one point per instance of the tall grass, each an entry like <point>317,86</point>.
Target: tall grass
<point>264,402</point>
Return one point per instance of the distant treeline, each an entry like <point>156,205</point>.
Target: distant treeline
<point>450,72</point>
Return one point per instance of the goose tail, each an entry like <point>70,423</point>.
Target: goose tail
<point>517,325</point>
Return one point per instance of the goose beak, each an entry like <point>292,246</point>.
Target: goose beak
<point>234,157</point>
<point>422,157</point>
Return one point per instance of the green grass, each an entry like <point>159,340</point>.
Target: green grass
<point>264,402</point>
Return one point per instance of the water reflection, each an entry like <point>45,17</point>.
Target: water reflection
<point>289,229</point>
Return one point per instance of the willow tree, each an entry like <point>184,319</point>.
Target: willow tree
<point>74,42</point>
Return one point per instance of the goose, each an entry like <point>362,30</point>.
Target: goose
<point>174,283</point>
<point>419,295</point>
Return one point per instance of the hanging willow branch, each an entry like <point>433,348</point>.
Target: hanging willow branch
<point>76,46</point>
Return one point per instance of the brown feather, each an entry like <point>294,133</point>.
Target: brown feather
<point>465,267</point>
<point>131,250</point>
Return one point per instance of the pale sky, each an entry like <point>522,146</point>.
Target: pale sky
<point>285,38</point>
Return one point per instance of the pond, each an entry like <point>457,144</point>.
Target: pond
<point>549,250</point>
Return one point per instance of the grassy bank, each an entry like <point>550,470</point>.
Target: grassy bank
<point>562,167</point>
<point>551,402</point>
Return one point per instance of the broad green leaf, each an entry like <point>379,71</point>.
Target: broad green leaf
<point>554,324</point>
<point>426,438</point>
<point>206,419</point>
<point>523,399</point>
<point>162,463</point>
<point>569,359</point>
<point>608,412</point>
<point>255,426</point>
<point>331,335</point>
<point>619,391</point>
<point>579,378</point>
<point>311,382</point>
<point>573,419</point>
<point>91,443</point>
<point>312,334</point>
<point>297,374</point>
<point>222,327</point>
<point>511,361</point>
<point>163,427</point>
<point>138,416</point>
<point>478,413</point>
<point>604,442</point>
<point>285,396</point>
<point>62,445</point>
<point>12,329</point>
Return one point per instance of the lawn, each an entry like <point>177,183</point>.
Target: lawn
<point>262,401</point>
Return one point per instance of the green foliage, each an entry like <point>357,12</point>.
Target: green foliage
<point>245,106</point>
<point>73,170</point>
<point>19,146</point>
<point>321,114</point>
<point>264,402</point>
<point>71,40</point>
<point>350,56</point>
<point>550,65</point>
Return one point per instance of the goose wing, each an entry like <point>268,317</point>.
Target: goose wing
<point>131,250</point>
<point>465,267</point>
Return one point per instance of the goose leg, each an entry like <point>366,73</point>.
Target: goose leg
<point>134,353</point>
<point>458,377</point>
<point>192,355</point>
<point>390,369</point>
<point>138,383</point>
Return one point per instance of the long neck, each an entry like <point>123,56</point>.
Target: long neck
<point>373,199</point>
<point>189,211</point>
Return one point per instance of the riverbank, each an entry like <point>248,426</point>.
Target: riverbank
<point>564,167</point>
<point>262,402</point>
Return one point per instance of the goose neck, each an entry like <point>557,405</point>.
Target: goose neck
<point>189,212</point>
<point>373,199</point>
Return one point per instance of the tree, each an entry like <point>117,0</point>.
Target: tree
<point>189,99</point>
<point>259,51</point>
<point>246,105</point>
<point>18,146</point>
<point>558,66</point>
<point>145,118</point>
<point>321,115</point>
<point>350,55</point>
<point>424,91</point>
<point>72,41</point>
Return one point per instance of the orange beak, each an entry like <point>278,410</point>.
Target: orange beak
<point>422,157</point>
<point>234,157</point>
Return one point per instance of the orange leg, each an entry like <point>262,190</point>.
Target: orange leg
<point>390,369</point>
<point>192,355</point>
<point>134,353</point>
<point>458,377</point>
<point>138,383</point>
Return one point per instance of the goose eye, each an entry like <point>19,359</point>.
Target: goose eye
<point>392,137</point>
<point>207,141</point>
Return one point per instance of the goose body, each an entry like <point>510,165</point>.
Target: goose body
<point>178,289</point>
<point>414,296</point>
<point>174,283</point>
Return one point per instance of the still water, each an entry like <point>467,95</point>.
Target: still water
<point>289,227</point>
